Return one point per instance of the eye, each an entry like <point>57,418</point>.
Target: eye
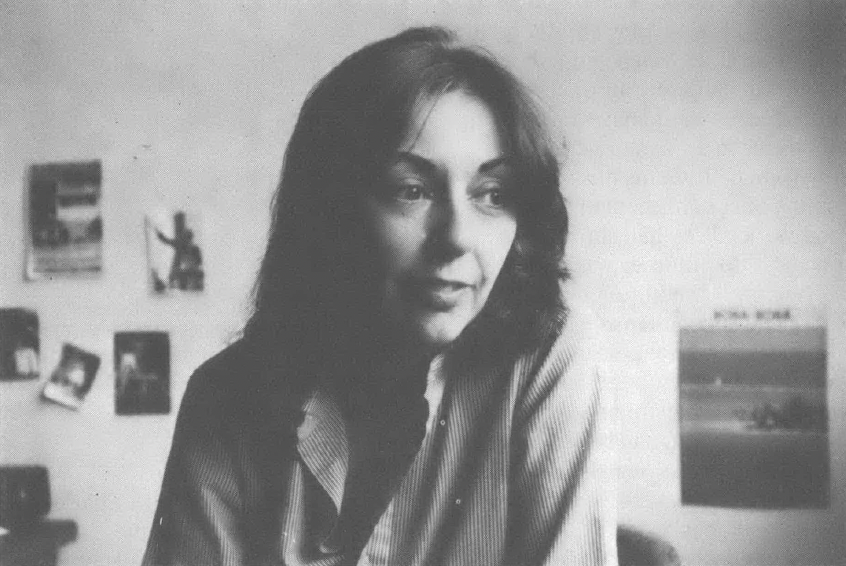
<point>406,190</point>
<point>409,191</point>
<point>493,195</point>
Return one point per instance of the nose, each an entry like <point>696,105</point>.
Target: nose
<point>453,228</point>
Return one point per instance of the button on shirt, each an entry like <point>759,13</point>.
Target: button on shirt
<point>516,468</point>
<point>377,551</point>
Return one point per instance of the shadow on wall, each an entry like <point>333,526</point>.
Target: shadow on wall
<point>636,547</point>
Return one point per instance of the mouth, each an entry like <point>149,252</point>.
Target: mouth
<point>436,293</point>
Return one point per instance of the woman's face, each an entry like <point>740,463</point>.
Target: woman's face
<point>443,220</point>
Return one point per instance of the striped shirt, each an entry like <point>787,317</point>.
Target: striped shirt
<point>515,468</point>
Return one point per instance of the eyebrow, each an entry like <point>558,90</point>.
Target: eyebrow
<point>428,166</point>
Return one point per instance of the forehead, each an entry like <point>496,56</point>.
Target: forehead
<point>455,126</point>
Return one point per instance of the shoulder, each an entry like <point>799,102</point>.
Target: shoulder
<point>579,335</point>
<point>223,393</point>
<point>568,359</point>
<point>218,379</point>
<point>574,337</point>
<point>222,364</point>
<point>236,391</point>
<point>207,404</point>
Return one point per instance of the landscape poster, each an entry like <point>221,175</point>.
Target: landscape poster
<point>65,223</point>
<point>753,411</point>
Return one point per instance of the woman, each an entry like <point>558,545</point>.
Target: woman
<point>411,388</point>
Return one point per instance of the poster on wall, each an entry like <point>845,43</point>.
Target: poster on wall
<point>19,344</point>
<point>142,373</point>
<point>753,410</point>
<point>174,254</point>
<point>72,379</point>
<point>65,223</point>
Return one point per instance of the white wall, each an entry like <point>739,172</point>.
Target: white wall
<point>706,167</point>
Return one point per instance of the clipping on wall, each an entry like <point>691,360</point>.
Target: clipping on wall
<point>65,223</point>
<point>19,344</point>
<point>753,410</point>
<point>174,255</point>
<point>142,373</point>
<point>72,379</point>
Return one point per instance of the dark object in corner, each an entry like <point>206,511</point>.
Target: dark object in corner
<point>37,544</point>
<point>24,495</point>
<point>639,548</point>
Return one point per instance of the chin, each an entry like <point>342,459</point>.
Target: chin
<point>439,330</point>
<point>429,329</point>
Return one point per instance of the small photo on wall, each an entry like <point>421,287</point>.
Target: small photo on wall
<point>142,373</point>
<point>72,378</point>
<point>174,254</point>
<point>754,416</point>
<point>19,344</point>
<point>65,223</point>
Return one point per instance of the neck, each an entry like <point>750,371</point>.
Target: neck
<point>381,375</point>
<point>390,357</point>
<point>382,344</point>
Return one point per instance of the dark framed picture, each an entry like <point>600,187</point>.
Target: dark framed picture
<point>754,417</point>
<point>72,378</point>
<point>174,254</point>
<point>142,373</point>
<point>65,223</point>
<point>19,344</point>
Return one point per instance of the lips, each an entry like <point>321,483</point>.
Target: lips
<point>436,293</point>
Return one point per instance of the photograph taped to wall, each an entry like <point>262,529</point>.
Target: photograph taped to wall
<point>753,410</point>
<point>72,378</point>
<point>65,222</point>
<point>19,344</point>
<point>142,373</point>
<point>174,254</point>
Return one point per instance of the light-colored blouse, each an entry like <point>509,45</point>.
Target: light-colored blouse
<point>516,468</point>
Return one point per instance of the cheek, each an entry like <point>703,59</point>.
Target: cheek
<point>398,241</point>
<point>497,244</point>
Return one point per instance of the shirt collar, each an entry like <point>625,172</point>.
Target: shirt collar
<point>323,442</point>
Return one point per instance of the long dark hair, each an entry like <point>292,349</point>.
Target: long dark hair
<point>314,289</point>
